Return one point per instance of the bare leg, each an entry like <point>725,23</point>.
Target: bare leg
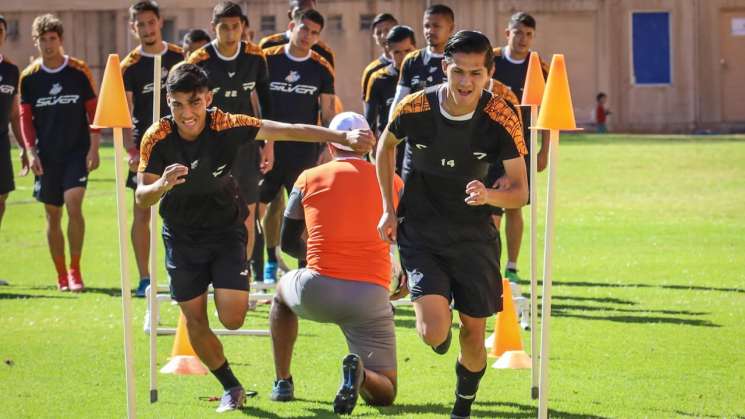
<point>472,351</point>
<point>204,342</point>
<point>231,307</point>
<point>75,221</point>
<point>55,238</point>
<point>3,197</point>
<point>514,233</point>
<point>141,239</point>
<point>379,388</point>
<point>250,223</point>
<point>433,319</point>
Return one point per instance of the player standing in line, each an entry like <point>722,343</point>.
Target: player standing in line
<point>302,88</point>
<point>193,40</point>
<point>381,24</point>
<point>511,68</point>
<point>146,25</point>
<point>58,102</point>
<point>236,69</point>
<point>186,160</point>
<point>447,242</point>
<point>283,38</point>
<point>9,105</point>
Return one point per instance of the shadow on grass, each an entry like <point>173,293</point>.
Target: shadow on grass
<point>610,300</point>
<point>631,285</point>
<point>639,319</point>
<point>485,409</point>
<point>12,296</point>
<point>563,307</point>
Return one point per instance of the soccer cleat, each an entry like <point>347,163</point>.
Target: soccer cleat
<point>283,391</point>
<point>62,283</point>
<point>442,348</point>
<point>142,287</point>
<point>270,272</point>
<point>75,280</point>
<point>352,376</point>
<point>232,399</point>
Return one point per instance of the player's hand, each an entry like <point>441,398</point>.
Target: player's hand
<point>92,160</point>
<point>542,159</point>
<point>24,162</point>
<point>172,176</point>
<point>502,183</point>
<point>403,289</point>
<point>361,140</point>
<point>267,159</point>
<point>134,159</point>
<point>476,192</point>
<point>35,163</point>
<point>387,227</point>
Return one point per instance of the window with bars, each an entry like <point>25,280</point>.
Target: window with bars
<point>269,23</point>
<point>366,21</point>
<point>334,23</point>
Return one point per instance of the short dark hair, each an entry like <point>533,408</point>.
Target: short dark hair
<point>226,9</point>
<point>4,22</point>
<point>470,42</point>
<point>382,17</point>
<point>600,96</point>
<point>196,35</point>
<point>46,23</point>
<point>187,78</point>
<point>442,10</point>
<point>245,21</point>
<point>521,18</point>
<point>143,6</point>
<point>400,33</point>
<point>311,14</point>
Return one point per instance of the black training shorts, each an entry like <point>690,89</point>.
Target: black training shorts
<point>58,177</point>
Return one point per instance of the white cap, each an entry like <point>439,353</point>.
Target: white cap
<point>348,121</point>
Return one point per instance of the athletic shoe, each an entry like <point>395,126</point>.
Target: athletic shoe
<point>442,348</point>
<point>512,276</point>
<point>232,399</point>
<point>62,283</point>
<point>283,391</point>
<point>270,272</point>
<point>142,287</point>
<point>352,375</point>
<point>75,280</point>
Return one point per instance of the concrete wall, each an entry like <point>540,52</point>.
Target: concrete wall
<point>594,35</point>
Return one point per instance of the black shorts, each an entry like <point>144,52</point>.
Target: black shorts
<point>58,177</point>
<point>194,260</point>
<point>246,173</point>
<point>131,181</point>
<point>284,174</point>
<point>463,271</point>
<point>6,167</point>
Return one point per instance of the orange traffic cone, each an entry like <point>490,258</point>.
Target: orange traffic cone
<point>112,110</point>
<point>184,360</point>
<point>556,111</point>
<point>507,342</point>
<point>534,82</point>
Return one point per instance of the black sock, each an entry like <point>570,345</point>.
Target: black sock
<point>271,254</point>
<point>465,389</point>
<point>225,375</point>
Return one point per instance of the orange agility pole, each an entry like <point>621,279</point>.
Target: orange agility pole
<point>556,114</point>
<point>112,111</point>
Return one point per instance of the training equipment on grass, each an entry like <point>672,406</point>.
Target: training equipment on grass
<point>184,361</point>
<point>556,114</point>
<point>532,96</point>
<point>152,304</point>
<point>507,334</point>
<point>112,111</point>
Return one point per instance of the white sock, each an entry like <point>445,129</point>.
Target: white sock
<point>512,266</point>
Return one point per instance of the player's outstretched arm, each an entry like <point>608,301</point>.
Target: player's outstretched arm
<point>384,166</point>
<point>514,195</point>
<point>151,187</point>
<point>359,140</point>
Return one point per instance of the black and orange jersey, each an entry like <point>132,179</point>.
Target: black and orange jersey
<point>8,90</point>
<point>374,66</point>
<point>137,71</point>
<point>296,85</point>
<point>57,99</point>
<point>209,198</point>
<point>499,89</point>
<point>379,96</point>
<point>233,79</point>
<point>421,69</point>
<point>283,38</point>
<point>448,152</point>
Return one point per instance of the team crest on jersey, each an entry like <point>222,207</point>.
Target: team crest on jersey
<point>56,100</point>
<point>292,77</point>
<point>290,87</point>
<point>56,89</point>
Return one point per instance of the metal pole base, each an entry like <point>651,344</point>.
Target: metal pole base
<point>153,396</point>
<point>534,393</point>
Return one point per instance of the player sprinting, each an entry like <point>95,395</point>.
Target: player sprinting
<point>58,101</point>
<point>9,105</point>
<point>185,162</point>
<point>447,242</point>
<point>146,25</point>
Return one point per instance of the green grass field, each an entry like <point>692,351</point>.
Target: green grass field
<point>648,305</point>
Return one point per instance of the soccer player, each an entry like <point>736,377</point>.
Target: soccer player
<point>193,40</point>
<point>137,70</point>
<point>302,89</point>
<point>347,278</point>
<point>511,68</point>
<point>283,38</point>
<point>381,24</point>
<point>58,101</point>
<point>236,69</point>
<point>9,105</point>
<point>382,85</point>
<point>186,159</point>
<point>446,240</point>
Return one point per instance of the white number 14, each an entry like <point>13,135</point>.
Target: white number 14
<point>446,162</point>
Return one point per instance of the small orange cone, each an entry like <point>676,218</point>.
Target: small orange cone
<point>507,332</point>
<point>112,110</point>
<point>556,111</point>
<point>184,360</point>
<point>534,82</point>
